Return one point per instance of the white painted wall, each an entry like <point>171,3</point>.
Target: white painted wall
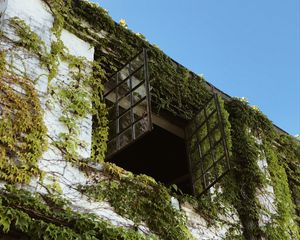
<point>36,14</point>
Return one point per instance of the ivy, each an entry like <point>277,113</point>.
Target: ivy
<point>22,131</point>
<point>249,124</point>
<point>283,224</point>
<point>27,38</point>
<point>74,98</point>
<point>36,216</point>
<point>140,199</point>
<point>175,89</point>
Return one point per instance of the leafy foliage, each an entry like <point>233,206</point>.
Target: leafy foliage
<point>140,199</point>
<point>22,131</point>
<point>36,216</point>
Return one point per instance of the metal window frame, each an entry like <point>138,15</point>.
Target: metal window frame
<point>224,158</point>
<point>132,104</point>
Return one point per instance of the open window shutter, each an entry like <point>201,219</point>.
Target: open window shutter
<point>206,147</point>
<point>128,100</point>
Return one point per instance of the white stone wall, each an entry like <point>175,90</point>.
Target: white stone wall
<point>265,195</point>
<point>201,229</point>
<point>36,14</point>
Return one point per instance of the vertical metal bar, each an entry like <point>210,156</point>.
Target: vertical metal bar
<point>211,145</point>
<point>131,104</point>
<point>221,124</point>
<point>117,115</point>
<point>188,152</point>
<point>147,86</point>
<point>201,160</point>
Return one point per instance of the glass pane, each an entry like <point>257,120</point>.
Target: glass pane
<point>141,127</point>
<point>140,110</point>
<point>210,107</point>
<point>124,73</point>
<point>110,84</point>
<point>198,174</point>
<point>123,89</point>
<point>208,162</point>
<point>219,151</point>
<point>110,98</point>
<point>139,93</point>
<point>125,137</point>
<point>205,146</point>
<point>122,111</point>
<point>138,77</point>
<point>112,130</point>
<point>216,135</point>
<point>209,177</point>
<point>195,159</point>
<point>209,136</point>
<point>219,168</point>
<point>137,62</point>
<point>112,113</point>
<point>124,104</point>
<point>202,132</point>
<point>125,121</point>
<point>200,118</point>
<point>213,120</point>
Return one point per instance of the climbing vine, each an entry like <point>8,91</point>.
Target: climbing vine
<point>22,131</point>
<point>249,126</point>
<point>174,87</point>
<point>35,216</point>
<point>74,98</point>
<point>140,199</point>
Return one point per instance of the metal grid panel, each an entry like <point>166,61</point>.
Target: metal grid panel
<point>206,147</point>
<point>128,99</point>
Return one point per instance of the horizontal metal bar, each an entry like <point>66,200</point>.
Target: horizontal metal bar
<point>213,183</point>
<point>209,133</point>
<point>109,156</point>
<point>125,129</point>
<point>124,80</point>
<point>211,166</point>
<point>124,65</point>
<point>211,147</point>
<point>128,93</point>
<point>128,109</point>
<point>201,125</point>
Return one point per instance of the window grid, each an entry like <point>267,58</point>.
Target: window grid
<point>128,98</point>
<point>207,166</point>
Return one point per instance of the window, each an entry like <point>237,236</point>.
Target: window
<point>128,100</point>
<point>206,147</point>
<point>194,160</point>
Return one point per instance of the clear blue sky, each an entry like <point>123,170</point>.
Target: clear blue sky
<point>247,48</point>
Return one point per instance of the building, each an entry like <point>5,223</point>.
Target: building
<point>79,92</point>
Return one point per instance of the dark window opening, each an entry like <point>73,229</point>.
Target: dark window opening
<point>159,154</point>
